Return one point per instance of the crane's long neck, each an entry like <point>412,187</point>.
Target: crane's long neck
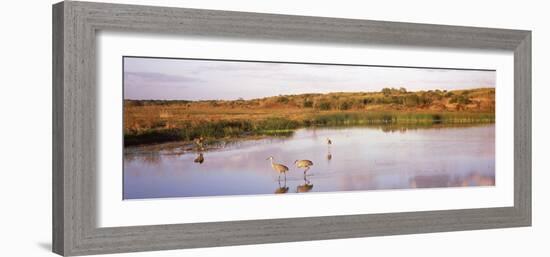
<point>272,163</point>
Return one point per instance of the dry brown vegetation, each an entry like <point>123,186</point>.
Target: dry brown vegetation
<point>151,121</point>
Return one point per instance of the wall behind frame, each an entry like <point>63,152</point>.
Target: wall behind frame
<point>25,127</point>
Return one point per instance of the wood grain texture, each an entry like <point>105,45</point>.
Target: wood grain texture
<point>522,128</point>
<point>74,120</point>
<point>58,230</point>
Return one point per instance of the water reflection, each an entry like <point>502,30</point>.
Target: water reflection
<point>472,179</point>
<point>305,187</point>
<point>199,159</point>
<point>281,189</point>
<point>329,153</point>
<point>369,158</point>
<point>148,158</point>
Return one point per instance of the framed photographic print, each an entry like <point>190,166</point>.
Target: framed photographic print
<point>182,128</point>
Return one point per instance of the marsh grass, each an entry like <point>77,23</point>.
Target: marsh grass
<point>281,126</point>
<point>370,118</point>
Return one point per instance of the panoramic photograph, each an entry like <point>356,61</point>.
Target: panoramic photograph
<point>205,128</point>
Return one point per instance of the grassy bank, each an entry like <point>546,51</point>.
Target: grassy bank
<point>157,121</point>
<point>281,126</point>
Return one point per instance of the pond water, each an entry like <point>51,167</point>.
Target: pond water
<point>359,158</point>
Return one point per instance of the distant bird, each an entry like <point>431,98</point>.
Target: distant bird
<point>329,156</point>
<point>329,141</point>
<point>199,159</point>
<point>200,143</point>
<point>303,164</point>
<point>278,167</point>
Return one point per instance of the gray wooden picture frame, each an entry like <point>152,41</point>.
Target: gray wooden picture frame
<point>75,25</point>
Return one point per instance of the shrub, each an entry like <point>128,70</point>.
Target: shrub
<point>396,100</point>
<point>424,99</point>
<point>324,106</point>
<point>386,91</point>
<point>344,106</point>
<point>368,100</point>
<point>411,100</point>
<point>282,99</point>
<point>461,99</point>
<point>308,103</point>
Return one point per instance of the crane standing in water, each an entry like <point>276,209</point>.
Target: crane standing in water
<point>199,142</point>
<point>303,164</point>
<point>278,167</point>
<point>329,155</point>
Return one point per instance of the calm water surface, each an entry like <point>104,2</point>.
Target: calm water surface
<point>358,159</point>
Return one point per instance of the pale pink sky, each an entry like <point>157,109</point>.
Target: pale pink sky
<point>182,79</point>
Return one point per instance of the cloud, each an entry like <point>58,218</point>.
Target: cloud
<point>209,79</point>
<point>148,77</point>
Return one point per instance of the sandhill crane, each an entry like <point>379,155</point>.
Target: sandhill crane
<point>278,167</point>
<point>329,155</point>
<point>199,159</point>
<point>199,142</point>
<point>303,164</point>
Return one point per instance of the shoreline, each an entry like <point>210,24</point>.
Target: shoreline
<point>159,121</point>
<point>178,147</point>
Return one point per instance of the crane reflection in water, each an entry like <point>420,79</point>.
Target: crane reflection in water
<point>199,146</point>
<point>370,159</point>
<point>305,187</point>
<point>281,189</point>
